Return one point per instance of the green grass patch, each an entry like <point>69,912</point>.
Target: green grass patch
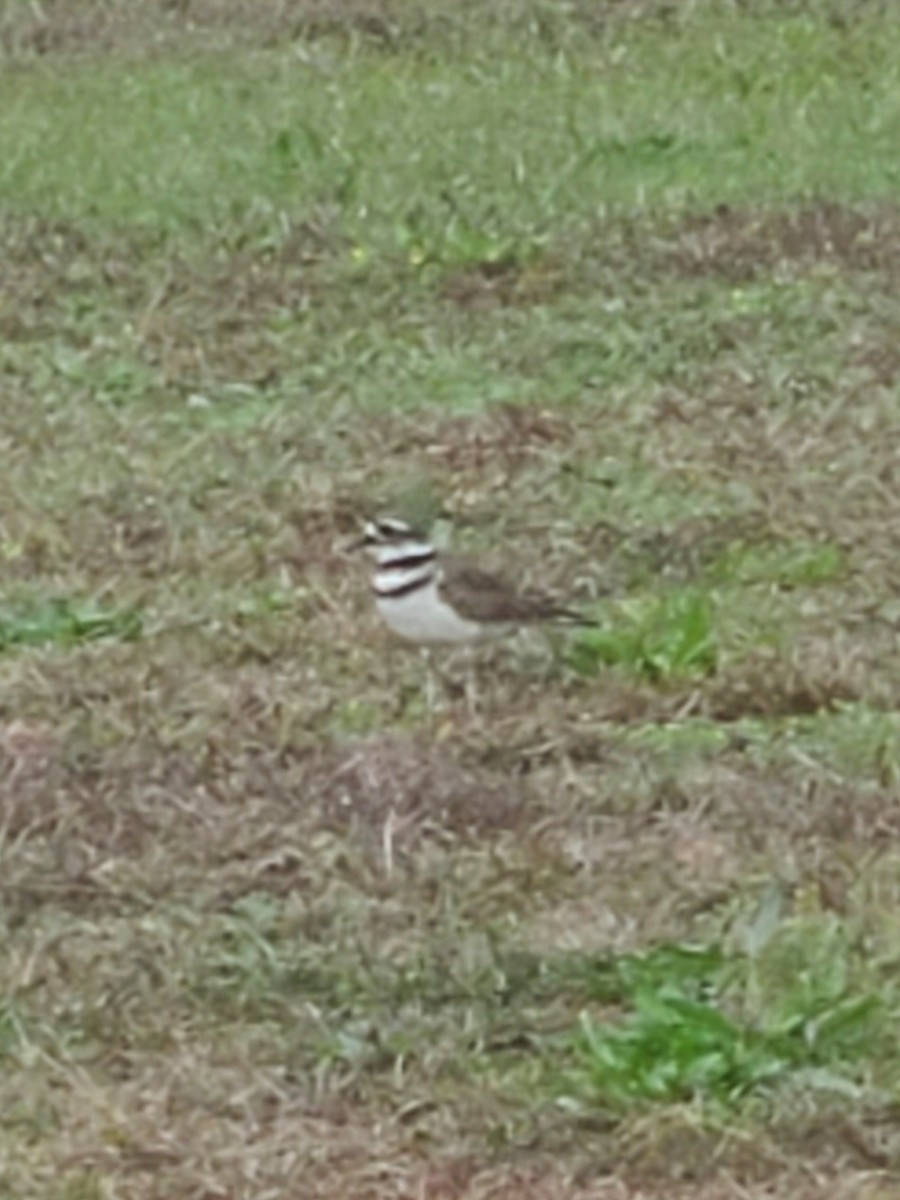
<point>854,741</point>
<point>786,565</point>
<point>671,1048</point>
<point>65,622</point>
<point>680,741</point>
<point>661,638</point>
<point>13,1035</point>
<point>713,108</point>
<point>700,1025</point>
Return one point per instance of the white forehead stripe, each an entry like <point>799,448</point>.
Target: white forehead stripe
<point>391,552</point>
<point>394,528</point>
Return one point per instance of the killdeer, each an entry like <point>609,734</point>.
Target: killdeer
<point>430,599</point>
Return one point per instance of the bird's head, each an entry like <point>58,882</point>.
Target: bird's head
<point>388,533</point>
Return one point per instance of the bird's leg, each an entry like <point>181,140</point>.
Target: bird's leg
<point>471,685</point>
<point>430,680</point>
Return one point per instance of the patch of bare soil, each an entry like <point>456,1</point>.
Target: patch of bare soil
<point>510,435</point>
<point>199,328</point>
<point>475,1181</point>
<point>878,359</point>
<point>194,325</point>
<point>42,263</point>
<point>90,822</point>
<point>184,1129</point>
<point>496,284</point>
<point>737,245</point>
<point>811,679</point>
<point>398,789</point>
<point>140,27</point>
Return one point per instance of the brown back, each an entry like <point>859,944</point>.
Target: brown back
<point>480,596</point>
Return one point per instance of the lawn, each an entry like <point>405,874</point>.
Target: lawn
<point>615,284</point>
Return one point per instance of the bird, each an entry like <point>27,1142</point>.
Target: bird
<point>431,599</point>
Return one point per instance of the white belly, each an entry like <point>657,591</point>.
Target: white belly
<point>422,616</point>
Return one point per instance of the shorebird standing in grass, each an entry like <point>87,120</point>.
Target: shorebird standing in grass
<point>432,599</point>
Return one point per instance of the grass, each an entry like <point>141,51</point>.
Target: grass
<point>65,622</point>
<point>613,286</point>
<point>626,119</point>
<point>795,1022</point>
<point>672,635</point>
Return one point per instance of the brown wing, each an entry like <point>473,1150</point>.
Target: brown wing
<point>481,596</point>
